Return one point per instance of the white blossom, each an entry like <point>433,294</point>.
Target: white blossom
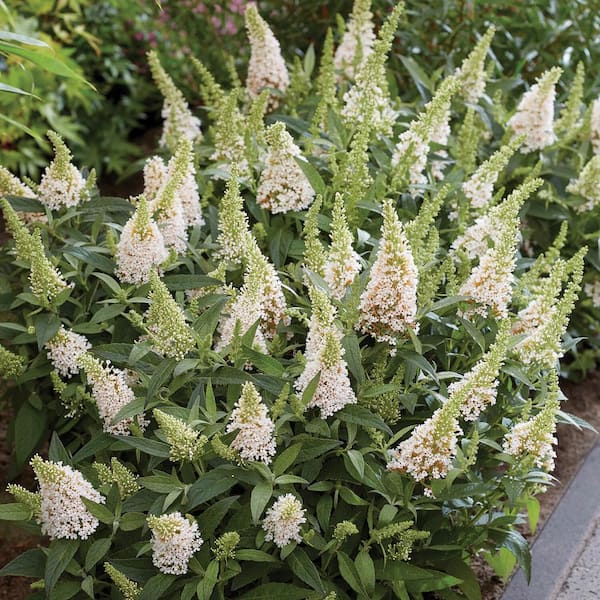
<point>255,439</point>
<point>357,42</point>
<point>475,241</point>
<point>283,521</point>
<point>283,187</point>
<point>175,539</point>
<point>595,125</point>
<point>65,349</point>
<point>110,392</point>
<point>266,68</point>
<point>141,247</point>
<point>155,175</point>
<point>388,306</point>
<point>534,117</point>
<point>63,514</point>
<point>593,291</point>
<point>429,451</point>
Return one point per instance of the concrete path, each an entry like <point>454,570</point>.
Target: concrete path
<point>566,554</point>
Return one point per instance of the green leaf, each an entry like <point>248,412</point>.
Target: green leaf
<point>160,377</point>
<point>96,552</point>
<point>90,256</point>
<point>517,544</point>
<point>304,568</point>
<point>30,425</point>
<point>206,586</point>
<point>29,564</point>
<point>182,283</point>
<point>419,76</point>
<point>315,180</point>
<point>254,555</point>
<point>263,362</point>
<point>352,413</point>
<point>60,554</point>
<point>366,570</point>
<point>349,573</point>
<point>99,511</point>
<point>353,356</point>
<point>162,484</point>
<point>269,591</point>
<point>533,513</point>
<point>156,587</point>
<point>503,562</point>
<point>14,512</point>
<point>212,517</point>
<point>286,459</point>
<point>46,327</point>
<point>11,89</point>
<point>132,521</point>
<point>135,407</point>
<point>151,447</point>
<point>57,452</point>
<point>357,462</point>
<point>209,486</point>
<point>261,494</point>
<point>44,60</point>
<point>9,36</point>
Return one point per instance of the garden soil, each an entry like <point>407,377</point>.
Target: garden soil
<point>573,445</point>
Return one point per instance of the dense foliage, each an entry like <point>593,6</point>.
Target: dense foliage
<point>323,365</point>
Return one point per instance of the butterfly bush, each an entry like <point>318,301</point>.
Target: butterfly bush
<point>318,355</point>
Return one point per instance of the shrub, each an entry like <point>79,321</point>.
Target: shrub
<point>337,379</point>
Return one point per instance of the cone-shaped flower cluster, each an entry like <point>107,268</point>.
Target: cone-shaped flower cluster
<point>479,387</point>
<point>592,290</point>
<point>587,185</point>
<point>325,86</point>
<point>431,447</point>
<point>388,306</point>
<point>62,184</point>
<point>130,589</point>
<point>230,145</point>
<point>33,500</point>
<point>325,358</point>
<point>471,74</point>
<point>211,91</point>
<point>155,175</point>
<point>165,321</point>
<point>595,125</point>
<point>266,68</point>
<point>110,392</point>
<point>358,40</point>
<point>254,439</point>
<point>546,317</point>
<point>234,235</point>
<point>175,539</point>
<point>314,253</point>
<point>13,186</point>
<point>342,263</point>
<point>284,520</point>
<point>283,186</point>
<point>185,443</point>
<point>64,351</point>
<point>118,474</point>
<point>490,282</point>
<point>46,281</point>
<point>369,99</point>
<point>62,512</point>
<point>178,120</point>
<point>535,437</point>
<point>246,309</point>
<point>11,364</point>
<point>479,188</point>
<point>141,247</point>
<point>410,155</point>
<point>535,114</point>
<point>568,122</point>
<point>168,206</point>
